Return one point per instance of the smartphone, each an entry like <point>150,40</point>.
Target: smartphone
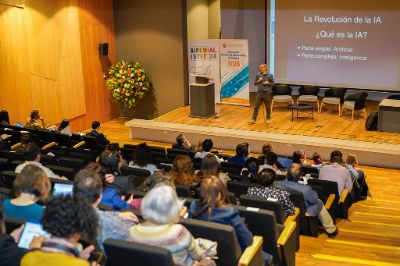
<point>31,229</point>
<point>97,257</point>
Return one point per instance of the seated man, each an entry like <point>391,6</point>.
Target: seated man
<point>314,206</point>
<point>266,179</point>
<point>182,143</point>
<point>88,185</point>
<point>240,157</point>
<point>336,172</point>
<point>101,139</point>
<point>31,154</point>
<point>36,120</point>
<point>207,147</point>
<point>271,160</point>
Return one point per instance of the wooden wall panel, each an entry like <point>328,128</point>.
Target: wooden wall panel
<point>49,59</point>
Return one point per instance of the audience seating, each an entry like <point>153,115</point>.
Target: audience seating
<point>68,172</point>
<point>338,206</point>
<point>312,171</point>
<point>137,175</point>
<point>124,253</point>
<point>75,163</point>
<point>13,223</point>
<point>279,240</point>
<point>7,179</point>
<point>239,188</point>
<point>228,249</point>
<point>228,167</point>
<point>183,191</point>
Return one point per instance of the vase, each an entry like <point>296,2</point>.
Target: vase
<point>125,112</point>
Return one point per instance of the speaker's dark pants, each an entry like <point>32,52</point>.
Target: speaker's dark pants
<point>266,97</point>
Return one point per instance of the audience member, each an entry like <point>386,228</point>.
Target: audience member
<point>30,186</point>
<point>26,138</point>
<point>207,147</point>
<point>110,196</point>
<point>143,159</point>
<point>266,179</point>
<point>66,219</point>
<point>336,172</point>
<point>317,160</point>
<point>182,143</point>
<point>361,189</point>
<point>241,155</point>
<point>161,210</point>
<point>299,157</point>
<point>182,171</point>
<point>314,206</point>
<point>199,147</point>
<point>247,145</point>
<point>36,120</point>
<point>31,155</point>
<point>211,166</point>
<point>64,127</point>
<point>214,206</point>
<point>88,185</point>
<point>10,253</point>
<point>271,163</point>
<point>101,138</point>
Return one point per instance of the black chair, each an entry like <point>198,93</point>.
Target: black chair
<point>127,153</point>
<point>197,163</point>
<point>92,143</point>
<point>228,249</point>
<point>3,164</point>
<point>75,163</point>
<point>175,152</point>
<point>334,96</point>
<point>7,179</point>
<point>82,155</point>
<point>355,102</point>
<point>183,191</point>
<point>138,176</point>
<point>281,94</point>
<point>279,241</point>
<point>238,188</point>
<point>394,97</point>
<point>4,118</point>
<point>124,253</point>
<point>62,139</point>
<point>12,156</point>
<point>338,205</point>
<point>308,169</point>
<point>276,208</point>
<point>228,167</point>
<point>48,160</point>
<point>308,94</point>
<point>13,223</point>
<point>62,171</point>
<point>6,192</point>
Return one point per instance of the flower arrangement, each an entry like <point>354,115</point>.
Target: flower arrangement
<point>128,82</point>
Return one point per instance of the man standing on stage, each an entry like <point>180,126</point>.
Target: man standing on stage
<point>265,83</point>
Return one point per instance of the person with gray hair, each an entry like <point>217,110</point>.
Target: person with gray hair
<point>161,210</point>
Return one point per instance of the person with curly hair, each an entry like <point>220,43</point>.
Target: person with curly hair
<point>30,186</point>
<point>143,159</point>
<point>182,171</point>
<point>66,219</point>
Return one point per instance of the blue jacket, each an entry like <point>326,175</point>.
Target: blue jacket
<point>111,198</point>
<point>237,160</point>
<point>311,200</point>
<point>229,216</point>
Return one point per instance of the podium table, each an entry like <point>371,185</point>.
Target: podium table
<point>389,115</point>
<point>202,100</point>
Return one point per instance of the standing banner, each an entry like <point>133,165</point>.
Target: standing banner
<point>234,60</point>
<point>204,60</point>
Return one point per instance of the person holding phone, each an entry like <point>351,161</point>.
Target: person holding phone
<point>66,219</point>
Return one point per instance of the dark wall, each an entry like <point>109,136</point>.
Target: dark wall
<point>153,32</point>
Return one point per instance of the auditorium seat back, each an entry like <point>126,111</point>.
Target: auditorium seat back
<point>239,188</point>
<point>271,205</point>
<point>124,253</point>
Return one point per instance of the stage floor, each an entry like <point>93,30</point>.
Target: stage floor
<point>327,124</point>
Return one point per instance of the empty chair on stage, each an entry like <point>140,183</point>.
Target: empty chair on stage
<point>355,102</point>
<point>308,94</point>
<point>334,96</point>
<point>281,94</point>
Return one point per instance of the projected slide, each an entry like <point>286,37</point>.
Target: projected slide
<point>335,43</point>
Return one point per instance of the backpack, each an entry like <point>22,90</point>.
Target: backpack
<point>372,121</point>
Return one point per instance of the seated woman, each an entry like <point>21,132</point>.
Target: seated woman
<point>214,206</point>
<point>360,185</point>
<point>36,120</point>
<point>240,157</point>
<point>143,159</point>
<point>66,219</point>
<point>266,179</point>
<point>211,166</point>
<point>10,253</point>
<point>317,160</point>
<point>161,211</point>
<point>182,172</point>
<point>30,186</point>
<point>271,162</point>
